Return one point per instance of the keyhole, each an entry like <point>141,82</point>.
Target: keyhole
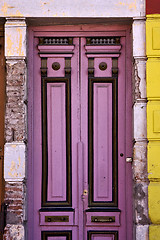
<point>85,192</point>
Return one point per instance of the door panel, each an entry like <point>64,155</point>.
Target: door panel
<point>102,155</point>
<point>56,122</point>
<point>102,142</point>
<point>56,142</point>
<point>80,190</point>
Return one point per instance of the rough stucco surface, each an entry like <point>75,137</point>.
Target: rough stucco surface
<point>15,109</point>
<point>15,200</point>
<point>16,90</point>
<point>68,8</point>
<point>15,134</point>
<point>139,165</point>
<point>14,232</point>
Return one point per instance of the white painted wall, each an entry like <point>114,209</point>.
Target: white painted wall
<point>72,8</point>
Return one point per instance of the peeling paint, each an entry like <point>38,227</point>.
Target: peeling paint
<point>20,43</point>
<point>9,46</point>
<point>4,8</point>
<point>92,8</point>
<point>137,82</point>
<point>15,38</point>
<point>14,161</point>
<point>128,4</point>
<point>18,14</point>
<point>14,232</point>
<point>9,10</point>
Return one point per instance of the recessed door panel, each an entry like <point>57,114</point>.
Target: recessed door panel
<point>56,159</point>
<point>102,166</point>
<point>82,128</point>
<point>56,122</point>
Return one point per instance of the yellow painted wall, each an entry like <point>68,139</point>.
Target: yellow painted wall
<point>153,121</point>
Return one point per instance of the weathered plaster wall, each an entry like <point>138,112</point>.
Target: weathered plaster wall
<point>15,128</point>
<point>2,112</point>
<point>153,121</point>
<point>139,166</point>
<point>16,13</point>
<point>76,8</point>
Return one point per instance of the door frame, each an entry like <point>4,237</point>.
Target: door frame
<point>81,30</point>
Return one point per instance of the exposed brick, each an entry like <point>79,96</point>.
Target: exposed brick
<point>15,107</point>
<point>14,198</point>
<point>14,232</point>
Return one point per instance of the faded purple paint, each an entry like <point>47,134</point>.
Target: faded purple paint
<point>56,238</point>
<point>55,73</point>
<point>56,122</point>
<point>102,141</point>
<point>102,237</point>
<point>79,113</point>
<point>104,73</point>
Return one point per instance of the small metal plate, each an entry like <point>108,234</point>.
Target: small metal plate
<point>56,218</point>
<point>103,219</point>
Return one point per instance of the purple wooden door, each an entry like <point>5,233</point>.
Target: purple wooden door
<point>78,166</point>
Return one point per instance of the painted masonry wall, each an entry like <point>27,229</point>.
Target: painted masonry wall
<point>16,14</point>
<point>153,115</point>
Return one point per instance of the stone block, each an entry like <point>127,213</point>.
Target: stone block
<point>14,161</point>
<point>15,37</point>
<point>14,232</point>
<point>139,42</point>
<point>141,203</point>
<point>139,165</point>
<point>142,232</point>
<point>140,121</point>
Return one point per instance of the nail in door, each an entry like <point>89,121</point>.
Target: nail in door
<point>79,139</point>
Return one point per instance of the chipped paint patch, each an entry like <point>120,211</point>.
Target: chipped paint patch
<point>9,46</point>
<point>18,14</point>
<point>14,232</point>
<point>4,8</point>
<point>128,4</point>
<point>19,48</point>
<point>92,8</point>
<point>9,10</point>
<point>14,161</point>
<point>15,41</point>
<point>46,6</point>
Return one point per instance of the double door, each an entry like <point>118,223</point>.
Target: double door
<point>78,167</point>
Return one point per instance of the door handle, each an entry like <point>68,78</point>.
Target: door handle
<point>129,160</point>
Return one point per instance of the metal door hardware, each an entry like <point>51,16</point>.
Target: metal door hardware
<point>56,218</point>
<point>129,159</point>
<point>102,219</point>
